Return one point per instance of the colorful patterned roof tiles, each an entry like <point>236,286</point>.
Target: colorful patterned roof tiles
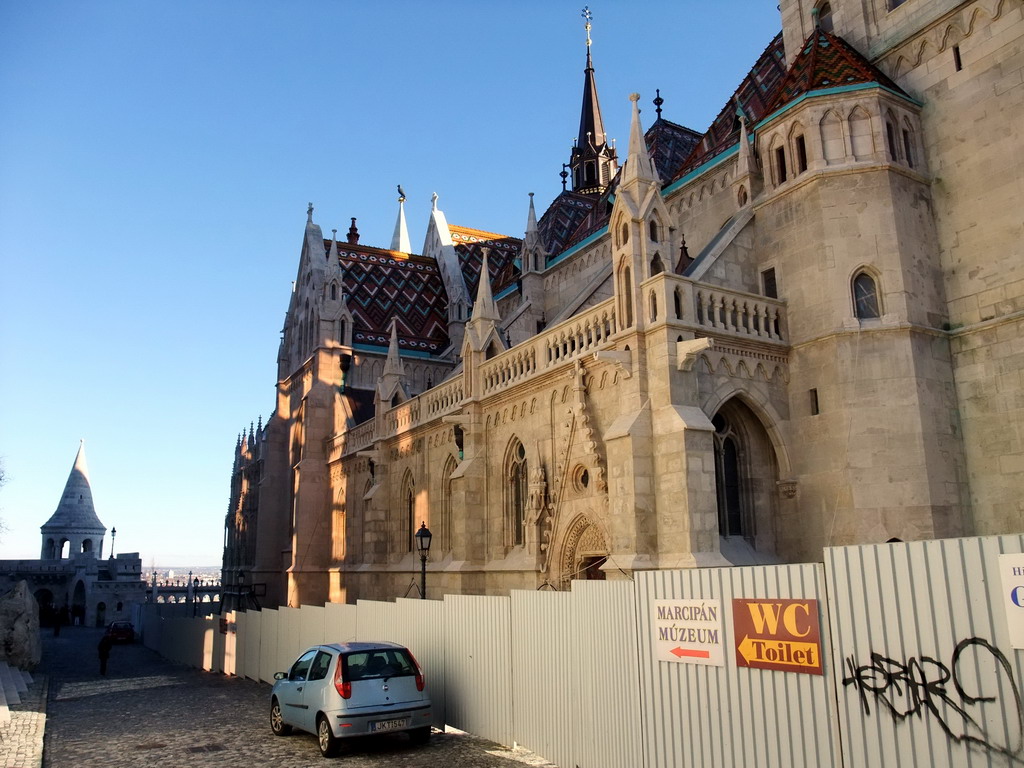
<point>669,145</point>
<point>381,284</point>
<point>502,261</point>
<point>754,95</point>
<point>562,218</point>
<point>826,61</point>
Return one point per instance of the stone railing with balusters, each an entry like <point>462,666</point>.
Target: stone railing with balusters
<point>444,398</point>
<point>712,310</point>
<point>579,335</point>
<point>360,438</point>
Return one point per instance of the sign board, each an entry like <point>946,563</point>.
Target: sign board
<point>783,635</point>
<point>1011,571</point>
<point>688,631</point>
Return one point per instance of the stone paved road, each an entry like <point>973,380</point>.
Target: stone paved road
<point>149,712</point>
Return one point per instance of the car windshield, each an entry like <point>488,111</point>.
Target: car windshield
<point>380,662</point>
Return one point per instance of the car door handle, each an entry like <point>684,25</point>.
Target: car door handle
<point>299,688</point>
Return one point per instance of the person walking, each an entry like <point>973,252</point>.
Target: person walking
<point>104,651</point>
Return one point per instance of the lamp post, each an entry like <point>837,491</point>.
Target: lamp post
<point>423,537</point>
<point>241,583</point>
<point>195,596</point>
<point>113,538</point>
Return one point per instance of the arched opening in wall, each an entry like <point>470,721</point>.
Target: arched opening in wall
<point>78,605</point>
<point>798,147</point>
<point>334,291</point>
<point>746,472</point>
<point>657,265</point>
<point>65,549</point>
<point>890,137</point>
<point>101,614</point>
<point>832,138</point>
<point>860,134</point>
<point>584,551</point>
<point>444,535</point>
<point>516,490</point>
<point>626,286</point>
<point>741,196</point>
<point>866,304</point>
<point>908,144</point>
<point>47,608</point>
<point>777,159</point>
<point>823,11</point>
<point>677,303</point>
<point>654,230</point>
<point>50,550</point>
<point>591,173</point>
<point>341,331</point>
<point>624,233</point>
<point>492,350</point>
<point>86,546</point>
<point>408,501</point>
<point>654,306</point>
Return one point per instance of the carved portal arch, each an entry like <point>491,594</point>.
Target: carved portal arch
<point>584,550</point>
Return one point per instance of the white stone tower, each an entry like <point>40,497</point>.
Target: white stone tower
<point>74,522</point>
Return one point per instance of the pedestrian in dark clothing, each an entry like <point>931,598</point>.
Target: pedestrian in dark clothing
<point>104,650</point>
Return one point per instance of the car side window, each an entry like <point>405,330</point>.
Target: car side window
<point>320,666</point>
<point>300,669</point>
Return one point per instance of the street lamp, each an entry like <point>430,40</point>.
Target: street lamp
<point>195,596</point>
<point>423,537</point>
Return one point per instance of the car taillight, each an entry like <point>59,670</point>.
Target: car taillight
<point>341,685</point>
<point>420,682</point>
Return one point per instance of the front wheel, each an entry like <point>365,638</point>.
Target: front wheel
<point>277,724</point>
<point>420,735</point>
<point>325,737</point>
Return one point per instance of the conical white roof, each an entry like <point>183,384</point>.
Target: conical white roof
<point>75,510</point>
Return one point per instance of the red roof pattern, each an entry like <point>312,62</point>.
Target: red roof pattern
<point>502,259</point>
<point>826,61</point>
<point>562,218</point>
<point>381,284</point>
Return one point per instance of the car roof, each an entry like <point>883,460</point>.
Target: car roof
<point>360,647</point>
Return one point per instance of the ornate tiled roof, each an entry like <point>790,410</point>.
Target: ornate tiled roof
<point>669,145</point>
<point>381,284</point>
<point>562,218</point>
<point>754,96</point>
<point>826,61</point>
<point>501,259</point>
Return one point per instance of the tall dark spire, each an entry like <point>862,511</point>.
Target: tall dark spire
<point>593,161</point>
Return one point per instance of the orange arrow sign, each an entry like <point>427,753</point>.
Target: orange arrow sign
<point>681,652</point>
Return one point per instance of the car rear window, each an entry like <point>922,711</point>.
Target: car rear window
<point>380,662</point>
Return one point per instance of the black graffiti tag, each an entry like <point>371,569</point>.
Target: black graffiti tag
<point>926,685</point>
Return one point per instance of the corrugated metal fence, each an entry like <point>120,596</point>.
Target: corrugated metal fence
<point>890,655</point>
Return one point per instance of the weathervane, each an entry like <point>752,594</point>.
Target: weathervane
<point>586,14</point>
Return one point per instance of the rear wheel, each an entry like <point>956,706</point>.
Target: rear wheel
<point>325,737</point>
<point>277,724</point>
<point>420,735</point>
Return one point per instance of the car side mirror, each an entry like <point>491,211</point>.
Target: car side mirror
<point>280,675</point>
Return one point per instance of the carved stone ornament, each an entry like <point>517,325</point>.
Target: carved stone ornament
<point>787,488</point>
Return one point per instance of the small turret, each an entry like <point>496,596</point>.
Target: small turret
<point>74,522</point>
<point>400,239</point>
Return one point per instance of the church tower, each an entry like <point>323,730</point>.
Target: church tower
<point>74,522</point>
<point>593,161</point>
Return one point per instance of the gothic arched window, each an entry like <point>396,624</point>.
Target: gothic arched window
<point>515,493</point>
<point>444,536</point>
<point>824,12</point>
<point>731,518</point>
<point>865,297</point>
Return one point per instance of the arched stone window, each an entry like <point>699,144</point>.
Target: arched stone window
<point>657,265</point>
<point>654,230</point>
<point>334,291</point>
<point>908,144</point>
<point>407,499</point>
<point>890,137</point>
<point>654,307</point>
<point>515,493</point>
<point>624,238</point>
<point>832,138</point>
<point>627,297</point>
<point>860,134</point>
<point>777,161</point>
<point>746,472</point>
<point>865,297</point>
<point>444,535</point>
<point>824,14</point>
<point>741,196</point>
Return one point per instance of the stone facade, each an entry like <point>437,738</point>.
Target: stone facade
<point>800,329</point>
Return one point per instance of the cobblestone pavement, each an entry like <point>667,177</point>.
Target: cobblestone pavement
<point>149,712</point>
<point>21,737</point>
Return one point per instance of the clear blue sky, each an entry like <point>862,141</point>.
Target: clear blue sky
<point>156,159</point>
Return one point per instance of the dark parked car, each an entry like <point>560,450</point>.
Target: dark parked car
<point>342,690</point>
<point>121,631</point>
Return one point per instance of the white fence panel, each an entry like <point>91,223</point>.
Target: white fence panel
<point>928,676</point>
<point>340,622</point>
<point>251,634</point>
<point>418,625</point>
<point>705,715</point>
<point>289,638</point>
<point>545,700</point>
<point>478,666</point>
<point>269,645</point>
<point>605,670</point>
<point>312,626</point>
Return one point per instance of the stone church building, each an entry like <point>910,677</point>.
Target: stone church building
<point>802,327</point>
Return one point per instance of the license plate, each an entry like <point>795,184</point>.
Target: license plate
<point>389,725</point>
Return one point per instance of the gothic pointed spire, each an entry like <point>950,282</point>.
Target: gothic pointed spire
<point>400,240</point>
<point>593,160</point>
<point>485,308</point>
<point>393,364</point>
<point>639,166</point>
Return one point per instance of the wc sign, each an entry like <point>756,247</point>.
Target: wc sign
<point>1011,571</point>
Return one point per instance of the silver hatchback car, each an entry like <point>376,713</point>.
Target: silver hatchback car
<point>342,690</point>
